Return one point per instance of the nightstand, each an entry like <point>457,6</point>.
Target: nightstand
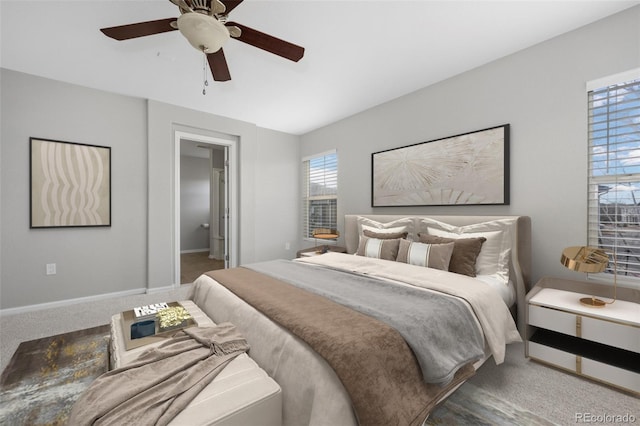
<point>599,343</point>
<point>315,251</point>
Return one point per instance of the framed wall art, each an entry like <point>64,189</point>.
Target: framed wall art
<point>70,184</point>
<point>467,169</point>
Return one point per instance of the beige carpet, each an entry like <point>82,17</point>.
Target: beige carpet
<point>192,265</point>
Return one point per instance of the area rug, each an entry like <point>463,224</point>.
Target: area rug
<point>46,376</point>
<point>471,405</point>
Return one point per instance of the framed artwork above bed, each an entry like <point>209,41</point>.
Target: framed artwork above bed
<point>466,169</point>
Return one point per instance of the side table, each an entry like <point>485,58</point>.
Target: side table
<point>599,343</point>
<point>123,350</point>
<point>314,251</point>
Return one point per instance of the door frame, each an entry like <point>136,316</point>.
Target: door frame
<point>232,236</point>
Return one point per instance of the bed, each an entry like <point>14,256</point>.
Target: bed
<point>344,361</point>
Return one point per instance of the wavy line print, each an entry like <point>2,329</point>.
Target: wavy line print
<point>72,178</point>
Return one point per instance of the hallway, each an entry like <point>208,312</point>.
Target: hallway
<point>192,265</point>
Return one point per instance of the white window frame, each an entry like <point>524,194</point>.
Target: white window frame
<point>328,178</point>
<point>612,236</point>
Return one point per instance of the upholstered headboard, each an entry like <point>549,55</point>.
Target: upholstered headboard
<point>520,265</point>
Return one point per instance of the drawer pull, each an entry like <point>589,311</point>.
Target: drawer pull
<point>579,364</point>
<point>578,326</point>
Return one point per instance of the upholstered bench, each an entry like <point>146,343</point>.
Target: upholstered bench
<point>242,394</point>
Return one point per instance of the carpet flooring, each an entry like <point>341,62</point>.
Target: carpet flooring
<point>519,382</point>
<point>46,376</point>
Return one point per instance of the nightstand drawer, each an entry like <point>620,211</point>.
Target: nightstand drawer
<point>597,330</point>
<point>552,356</point>
<point>612,334</point>
<point>587,367</point>
<point>551,319</point>
<point>610,374</point>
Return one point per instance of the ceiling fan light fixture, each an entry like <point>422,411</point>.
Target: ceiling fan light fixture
<point>205,33</point>
<point>205,25</point>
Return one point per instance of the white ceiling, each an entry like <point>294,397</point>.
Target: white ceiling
<point>358,53</point>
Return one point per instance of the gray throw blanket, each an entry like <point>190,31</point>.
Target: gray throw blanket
<point>162,381</point>
<point>440,329</point>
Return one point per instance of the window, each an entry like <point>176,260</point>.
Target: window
<point>614,173</point>
<point>320,192</point>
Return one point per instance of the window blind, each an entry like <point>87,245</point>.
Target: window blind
<point>320,192</point>
<point>614,175</point>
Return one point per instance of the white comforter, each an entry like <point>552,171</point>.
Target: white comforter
<point>497,323</point>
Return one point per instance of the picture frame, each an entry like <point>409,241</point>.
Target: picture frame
<point>466,169</point>
<point>70,184</point>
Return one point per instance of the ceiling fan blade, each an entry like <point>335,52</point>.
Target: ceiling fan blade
<point>269,43</point>
<point>230,5</point>
<point>218,66</point>
<point>141,29</point>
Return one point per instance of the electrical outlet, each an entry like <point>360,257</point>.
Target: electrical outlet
<point>51,268</point>
<point>287,246</point>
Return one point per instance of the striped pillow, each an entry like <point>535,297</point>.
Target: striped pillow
<point>380,248</point>
<point>431,255</point>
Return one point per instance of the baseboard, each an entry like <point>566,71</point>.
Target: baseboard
<point>67,302</point>
<point>162,289</point>
<point>194,251</point>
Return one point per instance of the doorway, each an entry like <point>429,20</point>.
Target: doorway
<point>204,234</point>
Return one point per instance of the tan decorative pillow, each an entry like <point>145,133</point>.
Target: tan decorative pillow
<point>380,248</point>
<point>465,252</point>
<point>384,235</point>
<point>431,255</point>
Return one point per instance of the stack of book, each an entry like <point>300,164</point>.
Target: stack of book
<point>148,312</point>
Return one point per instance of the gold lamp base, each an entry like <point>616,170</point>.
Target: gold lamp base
<point>592,302</point>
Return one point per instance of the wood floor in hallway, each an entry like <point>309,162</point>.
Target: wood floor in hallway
<point>192,265</point>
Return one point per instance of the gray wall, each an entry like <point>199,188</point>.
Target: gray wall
<point>136,254</point>
<point>194,203</point>
<point>278,207</point>
<point>162,121</point>
<point>89,260</point>
<point>541,92</point>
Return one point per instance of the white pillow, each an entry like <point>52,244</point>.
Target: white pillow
<point>496,250</point>
<point>507,292</point>
<point>397,226</point>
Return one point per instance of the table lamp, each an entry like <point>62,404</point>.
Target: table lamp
<point>589,260</point>
<point>325,234</point>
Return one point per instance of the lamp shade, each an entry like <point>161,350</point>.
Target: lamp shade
<point>590,260</point>
<point>585,259</point>
<point>326,234</point>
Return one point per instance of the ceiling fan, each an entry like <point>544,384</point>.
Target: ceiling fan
<point>204,24</point>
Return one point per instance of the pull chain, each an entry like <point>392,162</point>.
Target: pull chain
<point>204,75</point>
